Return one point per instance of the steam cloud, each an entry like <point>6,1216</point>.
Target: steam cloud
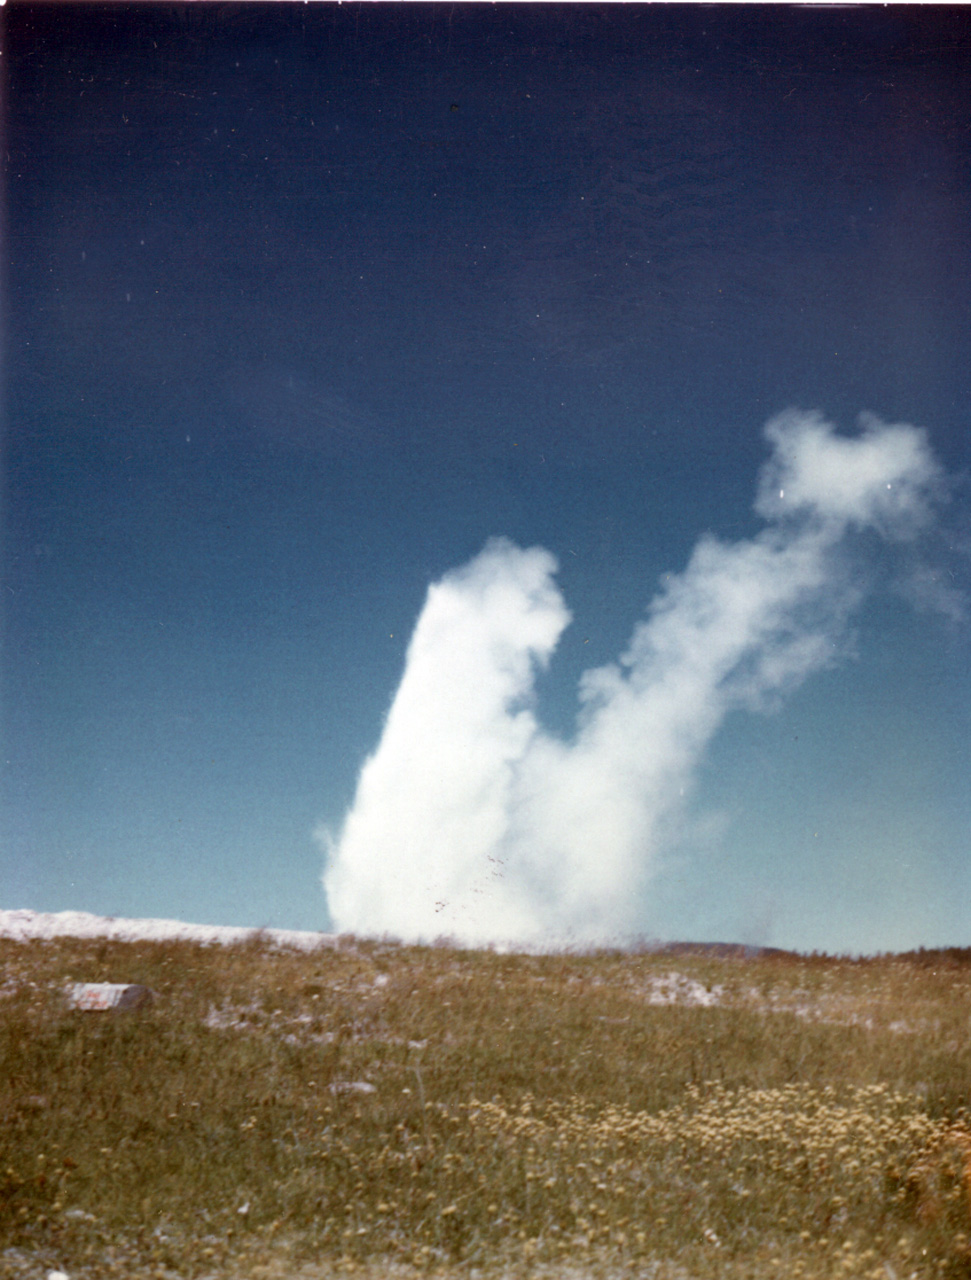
<point>472,821</point>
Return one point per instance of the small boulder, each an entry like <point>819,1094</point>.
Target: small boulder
<point>96,996</point>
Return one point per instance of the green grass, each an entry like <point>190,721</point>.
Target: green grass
<point>524,1113</point>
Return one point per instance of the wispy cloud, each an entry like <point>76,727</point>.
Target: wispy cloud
<point>471,821</point>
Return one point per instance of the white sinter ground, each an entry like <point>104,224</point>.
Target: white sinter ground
<point>24,925</point>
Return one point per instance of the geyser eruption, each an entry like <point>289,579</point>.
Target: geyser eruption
<point>471,821</point>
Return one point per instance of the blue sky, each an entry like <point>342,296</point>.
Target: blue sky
<point>306,303</point>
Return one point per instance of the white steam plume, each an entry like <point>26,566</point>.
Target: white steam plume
<point>471,821</point>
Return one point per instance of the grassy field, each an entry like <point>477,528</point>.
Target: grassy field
<point>381,1110</point>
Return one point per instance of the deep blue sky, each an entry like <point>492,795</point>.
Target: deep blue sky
<point>304,302</point>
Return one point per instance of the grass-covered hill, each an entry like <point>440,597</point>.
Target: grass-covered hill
<point>381,1110</point>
